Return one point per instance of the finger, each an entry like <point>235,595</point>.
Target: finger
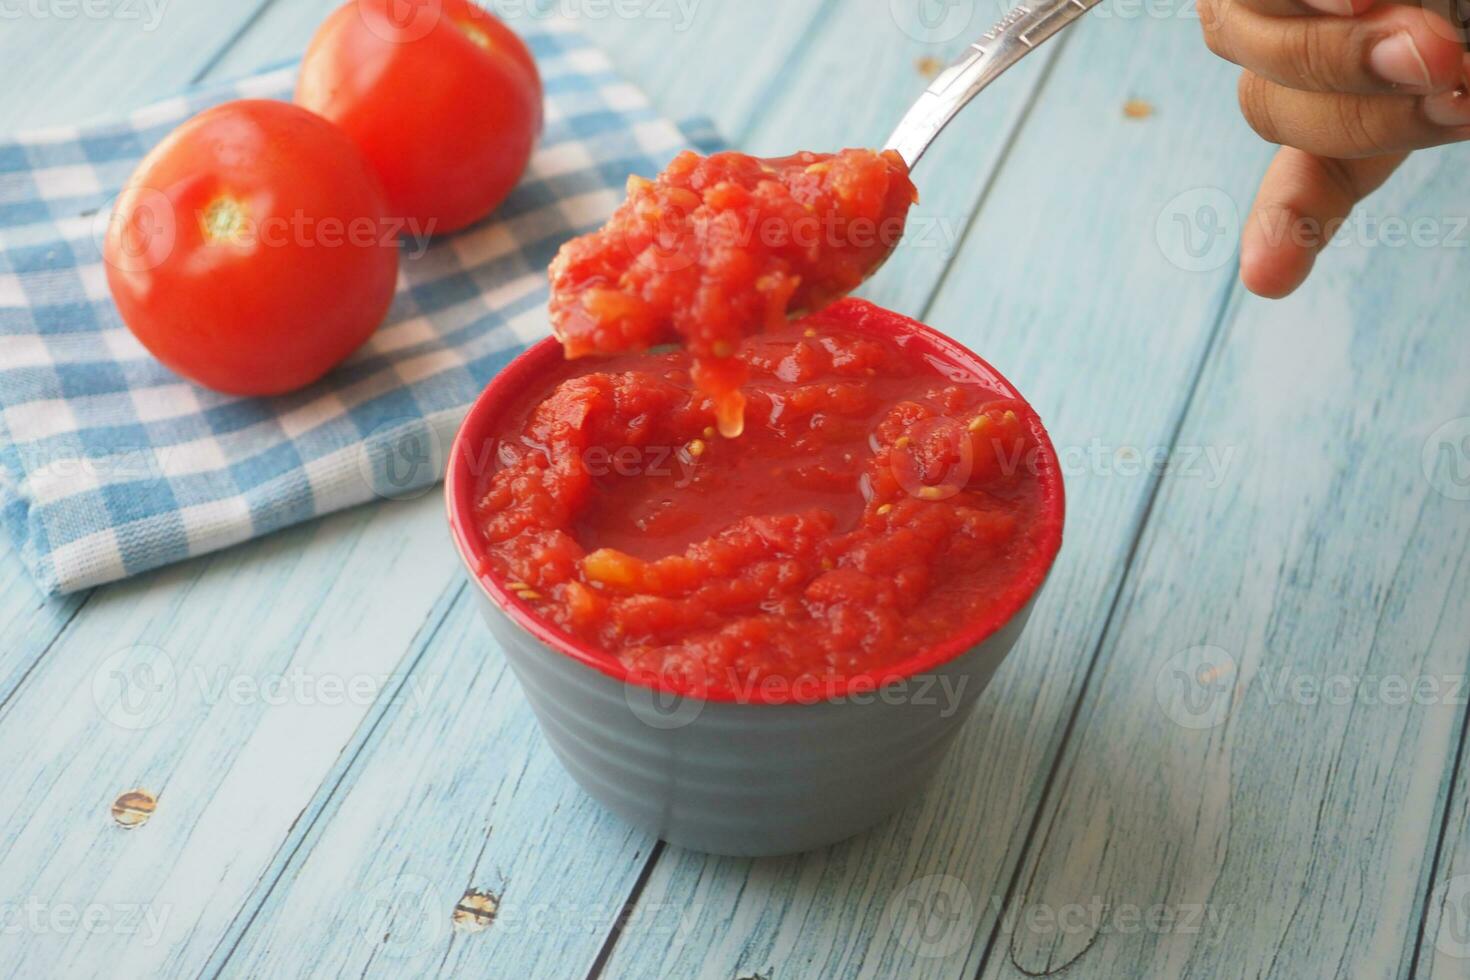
<point>1302,202</point>
<point>1212,10</point>
<point>1348,127</point>
<point>1392,49</point>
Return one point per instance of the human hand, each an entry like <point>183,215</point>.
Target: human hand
<point>1348,91</point>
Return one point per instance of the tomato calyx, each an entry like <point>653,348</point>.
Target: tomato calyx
<point>224,221</point>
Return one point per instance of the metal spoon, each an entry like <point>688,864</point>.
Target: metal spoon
<point>1019,33</point>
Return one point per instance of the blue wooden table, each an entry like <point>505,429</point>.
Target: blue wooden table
<point>1231,744</point>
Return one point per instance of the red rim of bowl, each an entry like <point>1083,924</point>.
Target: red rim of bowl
<point>461,484</point>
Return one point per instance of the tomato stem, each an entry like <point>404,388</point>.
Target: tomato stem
<point>224,221</point>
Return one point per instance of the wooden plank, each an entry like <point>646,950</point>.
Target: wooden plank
<point>320,879</point>
<point>1444,952</point>
<point>696,58</point>
<point>29,622</point>
<point>229,695</point>
<point>455,791</point>
<point>1276,711</point>
<point>280,33</point>
<point>312,885</point>
<point>65,65</point>
<point>69,62</point>
<point>257,852</point>
<point>1066,285</point>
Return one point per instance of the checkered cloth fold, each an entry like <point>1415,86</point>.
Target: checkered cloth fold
<point>110,464</point>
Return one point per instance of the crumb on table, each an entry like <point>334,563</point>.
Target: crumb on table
<point>1137,109</point>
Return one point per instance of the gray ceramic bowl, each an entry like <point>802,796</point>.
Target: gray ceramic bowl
<point>762,776</point>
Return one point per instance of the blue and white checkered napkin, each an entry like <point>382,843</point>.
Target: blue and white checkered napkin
<point>110,464</point>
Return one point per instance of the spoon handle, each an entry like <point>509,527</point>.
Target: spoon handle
<point>1018,33</point>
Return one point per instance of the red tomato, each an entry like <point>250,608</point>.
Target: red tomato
<point>443,99</point>
<point>252,250</point>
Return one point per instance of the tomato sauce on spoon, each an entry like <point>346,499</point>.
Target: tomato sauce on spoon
<point>717,248</point>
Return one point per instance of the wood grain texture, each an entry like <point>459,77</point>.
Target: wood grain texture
<point>1069,291</point>
<point>456,791</point>
<point>299,837</point>
<point>1444,939</point>
<point>1275,750</point>
<point>229,695</point>
<point>701,58</point>
<point>317,885</point>
<point>67,63</point>
<point>29,622</point>
<point>65,66</point>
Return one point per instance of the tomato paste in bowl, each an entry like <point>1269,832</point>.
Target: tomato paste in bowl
<point>725,639</point>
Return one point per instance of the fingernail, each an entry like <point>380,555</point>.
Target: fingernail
<point>1396,59</point>
<point>1448,108</point>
